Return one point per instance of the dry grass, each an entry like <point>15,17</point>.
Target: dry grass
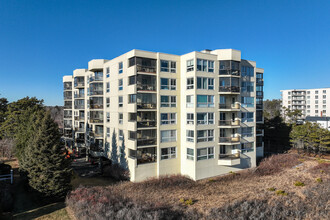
<point>251,186</point>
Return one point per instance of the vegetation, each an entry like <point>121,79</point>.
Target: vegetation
<point>272,108</point>
<point>298,183</point>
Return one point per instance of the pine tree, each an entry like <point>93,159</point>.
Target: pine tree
<point>114,155</point>
<point>122,158</point>
<point>48,170</point>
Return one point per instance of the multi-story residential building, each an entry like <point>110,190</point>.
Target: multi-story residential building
<point>199,114</point>
<point>311,102</point>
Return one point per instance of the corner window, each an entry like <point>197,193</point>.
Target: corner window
<point>168,153</point>
<point>190,135</point>
<point>190,154</point>
<point>190,65</point>
<point>190,83</point>
<point>205,153</point>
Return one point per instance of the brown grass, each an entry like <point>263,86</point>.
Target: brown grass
<point>253,185</point>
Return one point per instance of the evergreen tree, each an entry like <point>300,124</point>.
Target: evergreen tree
<point>48,170</point>
<point>122,158</point>
<point>114,154</point>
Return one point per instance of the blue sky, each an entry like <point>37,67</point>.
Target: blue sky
<point>40,41</point>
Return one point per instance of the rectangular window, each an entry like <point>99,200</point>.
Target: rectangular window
<point>205,153</point>
<point>247,117</point>
<point>247,102</point>
<point>120,84</point>
<point>190,101</point>
<point>108,132</point>
<point>205,101</point>
<point>324,91</point>
<point>324,96</point>
<point>205,118</point>
<point>205,65</point>
<point>205,83</point>
<point>190,154</point>
<point>108,102</point>
<point>121,118</point>
<point>108,87</point>
<point>120,67</point>
<point>190,135</point>
<point>168,66</point>
<point>316,92</point>
<point>168,136</point>
<point>168,153</point>
<point>316,97</point>
<point>121,134</point>
<point>108,72</point>
<point>210,66</point>
<point>316,102</point>
<point>120,101</point>
<point>168,118</point>
<point>247,71</point>
<point>131,80</point>
<point>132,98</point>
<point>108,116</point>
<point>247,86</point>
<point>247,131</point>
<point>247,147</point>
<point>167,84</point>
<point>205,135</point>
<point>167,101</point>
<point>190,65</point>
<point>190,83</point>
<point>190,118</point>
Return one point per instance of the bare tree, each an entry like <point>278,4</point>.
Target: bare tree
<point>6,148</point>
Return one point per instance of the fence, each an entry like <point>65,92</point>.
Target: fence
<point>8,177</point>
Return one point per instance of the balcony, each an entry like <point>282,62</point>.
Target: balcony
<point>95,79</point>
<point>67,97</point>
<point>81,129</point>
<point>67,126</point>
<point>259,106</point>
<point>68,116</point>
<point>234,107</point>
<point>67,105</point>
<point>67,86</point>
<point>232,89</point>
<point>79,96</point>
<point>146,137</point>
<point>96,106</point>
<point>68,133</point>
<point>230,159</point>
<point>96,120</point>
<point>79,118</point>
<point>145,69</point>
<point>229,140</point>
<point>146,83</point>
<point>79,84</point>
<point>229,72</point>
<point>96,134</point>
<point>146,87</point>
<point>97,92</point>
<point>79,106</point>
<point>260,82</point>
<point>146,105</point>
<point>145,65</point>
<point>230,123</point>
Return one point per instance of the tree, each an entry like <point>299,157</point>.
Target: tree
<point>48,170</point>
<point>6,148</point>
<point>3,109</point>
<point>122,156</point>
<point>292,115</point>
<point>272,108</point>
<point>114,154</point>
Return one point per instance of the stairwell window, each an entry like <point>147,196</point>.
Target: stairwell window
<point>120,67</point>
<point>108,87</point>
<point>190,118</point>
<point>120,101</point>
<point>168,118</point>
<point>108,72</point>
<point>168,153</point>
<point>120,84</point>
<point>168,136</point>
<point>190,65</point>
<point>167,101</point>
<point>190,135</point>
<point>190,83</point>
<point>108,116</point>
<point>190,154</point>
<point>121,118</point>
<point>205,153</point>
<point>107,100</point>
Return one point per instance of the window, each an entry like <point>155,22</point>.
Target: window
<point>108,102</point>
<point>132,116</point>
<point>324,96</point>
<point>316,97</point>
<point>120,101</point>
<point>324,106</point>
<point>247,116</point>
<point>108,132</point>
<point>248,71</point>
<point>168,153</point>
<point>247,131</point>
<point>168,118</point>
<point>205,153</point>
<point>205,65</point>
<point>205,118</point>
<point>120,84</point>
<point>247,102</point>
<point>308,106</point>
<point>308,92</point>
<point>120,67</point>
<point>167,101</point>
<point>324,101</point>
<point>289,97</point>
<point>167,66</point>
<point>316,102</point>
<point>190,118</point>
<point>316,106</point>
<point>132,98</point>
<point>316,111</point>
<point>190,135</point>
<point>247,147</point>
<point>168,136</point>
<point>289,93</point>
<point>131,80</point>
<point>108,87</point>
<point>205,83</point>
<point>205,101</point>
<point>324,111</point>
<point>190,154</point>
<point>190,83</point>
<point>205,135</point>
<point>121,117</point>
<point>167,84</point>
<point>108,116</point>
<point>190,101</point>
<point>316,92</point>
<point>132,135</point>
<point>247,86</point>
<point>121,134</point>
<point>190,65</point>
<point>108,72</point>
<point>308,97</point>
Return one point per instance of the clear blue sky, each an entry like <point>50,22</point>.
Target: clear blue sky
<point>40,41</point>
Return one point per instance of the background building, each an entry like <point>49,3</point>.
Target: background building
<point>199,114</point>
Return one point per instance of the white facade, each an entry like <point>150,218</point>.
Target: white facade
<point>197,114</point>
<point>311,102</point>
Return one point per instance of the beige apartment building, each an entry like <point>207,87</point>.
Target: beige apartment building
<point>311,102</point>
<point>197,114</point>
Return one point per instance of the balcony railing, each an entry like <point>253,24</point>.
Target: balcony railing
<point>67,87</point>
<point>95,79</point>
<point>146,105</point>
<point>67,97</point>
<point>145,69</point>
<point>229,139</point>
<point>229,122</point>
<point>229,72</point>
<point>67,116</point>
<point>260,82</point>
<point>96,106</point>
<point>79,129</point>
<point>79,106</point>
<point>79,118</point>
<point>68,106</point>
<point>79,84</point>
<point>230,159</point>
<point>235,106</point>
<point>96,120</point>
<point>77,96</point>
<point>145,124</point>
<point>229,89</point>
<point>145,87</point>
<point>146,141</point>
<point>96,92</point>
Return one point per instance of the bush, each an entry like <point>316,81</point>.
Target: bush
<point>322,168</point>
<point>319,180</point>
<point>271,189</point>
<point>281,193</point>
<point>276,163</point>
<point>168,181</point>
<point>116,172</point>
<point>298,183</point>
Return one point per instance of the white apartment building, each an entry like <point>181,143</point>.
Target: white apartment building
<point>311,102</point>
<point>198,114</point>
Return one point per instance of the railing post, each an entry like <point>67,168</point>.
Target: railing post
<point>11,176</point>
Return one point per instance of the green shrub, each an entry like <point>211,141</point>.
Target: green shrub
<point>271,189</point>
<point>319,180</point>
<point>281,193</point>
<point>211,180</point>
<point>298,183</point>
<point>189,202</point>
<point>181,200</point>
